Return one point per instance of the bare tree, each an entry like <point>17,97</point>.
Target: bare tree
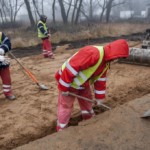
<point>17,6</point>
<point>35,4</point>
<point>74,11</point>
<point>53,11</point>
<point>110,5</point>
<point>78,11</point>
<point>89,9</point>
<point>70,3</point>
<point>32,22</point>
<point>1,14</point>
<point>3,11</point>
<point>10,8</point>
<point>63,13</point>
<point>102,7</point>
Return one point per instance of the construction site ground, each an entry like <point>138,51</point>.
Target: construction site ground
<point>33,114</point>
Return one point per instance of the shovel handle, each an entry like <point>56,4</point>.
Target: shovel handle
<point>84,98</point>
<point>87,99</point>
<point>31,76</point>
<point>26,70</point>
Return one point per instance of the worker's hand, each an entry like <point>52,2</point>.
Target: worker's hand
<point>99,102</point>
<point>65,93</point>
<point>2,52</point>
<point>49,35</point>
<point>5,60</point>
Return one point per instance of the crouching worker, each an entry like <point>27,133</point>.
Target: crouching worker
<point>5,46</point>
<point>88,66</point>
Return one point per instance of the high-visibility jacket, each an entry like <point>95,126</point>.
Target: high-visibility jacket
<point>5,44</point>
<point>42,29</point>
<point>84,75</point>
<point>90,64</point>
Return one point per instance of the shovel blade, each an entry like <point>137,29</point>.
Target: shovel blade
<point>43,87</point>
<point>146,114</point>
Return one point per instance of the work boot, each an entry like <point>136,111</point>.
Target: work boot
<point>58,128</point>
<point>52,57</point>
<point>11,97</point>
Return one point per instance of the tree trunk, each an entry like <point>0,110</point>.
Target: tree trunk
<point>108,10</point>
<point>1,14</point>
<point>63,13</point>
<point>74,10</point>
<point>69,9</point>
<point>91,10</point>
<point>36,7</point>
<point>32,22</point>
<point>78,12</point>
<point>53,11</point>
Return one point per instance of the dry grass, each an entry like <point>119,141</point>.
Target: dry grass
<point>23,38</point>
<point>101,31</point>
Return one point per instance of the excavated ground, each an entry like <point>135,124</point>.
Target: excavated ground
<point>33,114</point>
<point>34,50</point>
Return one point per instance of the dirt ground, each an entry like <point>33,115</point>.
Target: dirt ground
<point>121,128</point>
<point>33,114</point>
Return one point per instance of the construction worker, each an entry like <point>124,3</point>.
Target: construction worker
<point>5,46</point>
<point>88,66</point>
<point>44,34</point>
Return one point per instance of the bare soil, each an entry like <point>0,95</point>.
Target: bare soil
<point>33,114</point>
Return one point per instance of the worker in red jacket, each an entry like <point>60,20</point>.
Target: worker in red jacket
<point>44,34</point>
<point>88,66</point>
<point>5,46</point>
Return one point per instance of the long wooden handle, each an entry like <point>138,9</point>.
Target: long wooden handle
<point>26,70</point>
<point>87,99</point>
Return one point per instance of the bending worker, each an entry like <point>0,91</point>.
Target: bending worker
<point>44,34</point>
<point>5,46</point>
<point>88,66</point>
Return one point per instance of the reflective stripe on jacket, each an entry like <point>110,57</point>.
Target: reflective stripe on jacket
<point>4,42</point>
<point>6,46</point>
<point>40,34</point>
<point>84,75</point>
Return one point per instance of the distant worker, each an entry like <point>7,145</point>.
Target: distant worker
<point>44,34</point>
<point>5,46</point>
<point>88,66</point>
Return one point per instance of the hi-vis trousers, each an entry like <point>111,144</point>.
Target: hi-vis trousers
<point>47,48</point>
<point>6,81</point>
<point>65,107</point>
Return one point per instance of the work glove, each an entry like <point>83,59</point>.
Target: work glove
<point>65,93</point>
<point>4,60</point>
<point>2,52</point>
<point>99,102</point>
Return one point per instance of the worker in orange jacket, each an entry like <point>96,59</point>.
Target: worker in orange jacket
<point>44,34</point>
<point>5,46</point>
<point>88,66</point>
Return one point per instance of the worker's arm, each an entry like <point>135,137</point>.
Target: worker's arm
<point>85,58</point>
<point>6,44</point>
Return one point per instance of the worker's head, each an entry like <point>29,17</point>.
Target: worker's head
<point>115,50</point>
<point>43,18</point>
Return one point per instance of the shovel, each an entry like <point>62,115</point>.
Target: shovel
<point>146,114</point>
<point>87,99</point>
<point>30,75</point>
